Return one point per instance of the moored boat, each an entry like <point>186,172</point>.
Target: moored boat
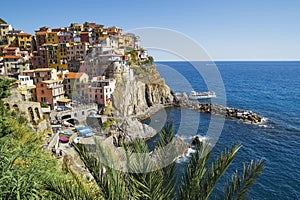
<point>202,95</point>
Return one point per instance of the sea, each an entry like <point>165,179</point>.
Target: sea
<point>270,89</point>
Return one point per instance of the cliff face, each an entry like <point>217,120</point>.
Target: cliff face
<point>135,96</point>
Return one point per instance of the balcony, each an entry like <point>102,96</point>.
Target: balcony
<point>52,86</point>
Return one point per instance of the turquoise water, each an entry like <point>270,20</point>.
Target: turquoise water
<point>271,89</point>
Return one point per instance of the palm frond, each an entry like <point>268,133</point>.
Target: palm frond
<point>111,182</point>
<point>239,186</point>
<point>195,171</point>
<point>216,170</point>
<point>148,184</point>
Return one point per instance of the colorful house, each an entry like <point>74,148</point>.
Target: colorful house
<point>76,27</point>
<point>11,37</point>
<point>27,88</point>
<point>77,51</point>
<point>76,84</point>
<point>52,38</point>
<point>41,74</point>
<point>100,90</point>
<point>25,42</point>
<point>50,92</point>
<point>39,58</point>
<point>14,65</point>
<point>4,29</point>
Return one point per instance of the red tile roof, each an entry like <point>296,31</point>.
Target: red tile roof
<point>11,48</point>
<point>74,75</point>
<point>41,32</point>
<point>24,34</point>
<point>11,57</point>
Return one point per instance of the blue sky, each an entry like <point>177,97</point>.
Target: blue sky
<point>227,29</point>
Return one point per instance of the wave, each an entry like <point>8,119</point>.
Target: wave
<point>184,158</point>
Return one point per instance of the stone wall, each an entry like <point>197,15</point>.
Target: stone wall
<point>31,110</point>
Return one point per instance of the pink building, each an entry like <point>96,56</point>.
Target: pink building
<point>65,37</point>
<point>101,89</point>
<point>39,59</point>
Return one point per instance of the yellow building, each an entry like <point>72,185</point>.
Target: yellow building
<point>77,27</point>
<point>25,42</point>
<point>52,55</point>
<point>11,36</point>
<point>57,56</point>
<point>52,38</point>
<point>4,29</point>
<point>2,47</point>
<point>76,84</point>
<point>62,56</point>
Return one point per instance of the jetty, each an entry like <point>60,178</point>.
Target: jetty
<point>245,115</point>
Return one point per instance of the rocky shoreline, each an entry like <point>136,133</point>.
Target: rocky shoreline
<point>247,116</point>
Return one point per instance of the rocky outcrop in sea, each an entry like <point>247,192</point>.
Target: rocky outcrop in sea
<point>247,116</point>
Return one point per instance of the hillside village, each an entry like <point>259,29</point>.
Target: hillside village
<point>63,67</point>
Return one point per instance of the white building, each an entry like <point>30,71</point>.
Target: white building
<point>101,90</point>
<point>15,65</point>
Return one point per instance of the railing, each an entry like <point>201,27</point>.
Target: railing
<point>55,86</point>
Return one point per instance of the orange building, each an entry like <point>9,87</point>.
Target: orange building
<point>50,92</point>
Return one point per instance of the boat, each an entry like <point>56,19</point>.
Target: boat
<point>63,139</point>
<point>202,95</point>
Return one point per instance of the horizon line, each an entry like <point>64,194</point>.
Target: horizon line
<point>227,60</point>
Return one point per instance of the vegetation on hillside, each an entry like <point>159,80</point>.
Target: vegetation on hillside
<point>24,165</point>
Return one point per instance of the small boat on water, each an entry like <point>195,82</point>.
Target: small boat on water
<point>202,95</point>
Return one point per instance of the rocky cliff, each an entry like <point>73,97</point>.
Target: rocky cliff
<point>133,96</point>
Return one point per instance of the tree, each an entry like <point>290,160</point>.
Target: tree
<point>24,165</point>
<point>198,182</point>
<point>5,87</point>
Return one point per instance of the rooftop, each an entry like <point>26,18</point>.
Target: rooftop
<point>11,48</point>
<point>11,57</point>
<point>50,81</point>
<point>43,69</point>
<point>24,34</point>
<point>41,32</point>
<point>74,75</point>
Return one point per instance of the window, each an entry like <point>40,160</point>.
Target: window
<point>42,92</point>
<point>82,112</point>
<point>43,99</point>
<point>42,85</point>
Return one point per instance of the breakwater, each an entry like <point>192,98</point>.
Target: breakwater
<point>247,116</point>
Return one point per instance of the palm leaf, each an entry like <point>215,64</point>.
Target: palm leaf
<point>239,186</point>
